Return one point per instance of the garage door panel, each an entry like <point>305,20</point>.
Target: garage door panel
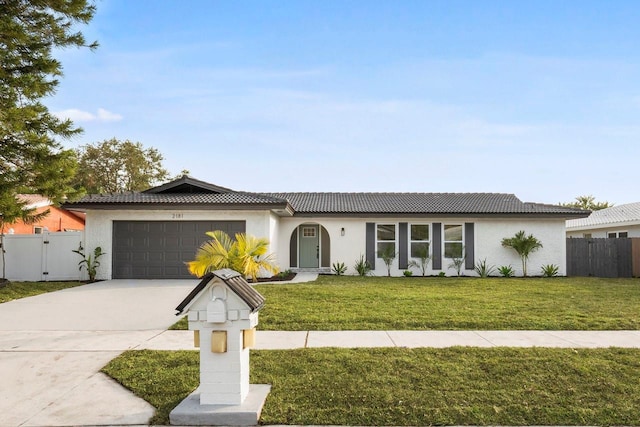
<point>159,249</point>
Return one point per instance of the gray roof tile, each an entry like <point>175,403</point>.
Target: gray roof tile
<point>175,198</point>
<point>621,214</point>
<point>189,191</point>
<point>418,203</point>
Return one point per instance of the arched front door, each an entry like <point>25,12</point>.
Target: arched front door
<point>309,247</point>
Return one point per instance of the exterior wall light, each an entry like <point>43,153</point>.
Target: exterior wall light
<point>342,231</point>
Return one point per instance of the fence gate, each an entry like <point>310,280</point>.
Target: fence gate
<point>602,257</point>
<point>43,257</point>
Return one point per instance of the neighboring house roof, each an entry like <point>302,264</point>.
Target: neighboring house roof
<point>33,201</point>
<point>236,284</point>
<point>190,192</point>
<point>621,215</point>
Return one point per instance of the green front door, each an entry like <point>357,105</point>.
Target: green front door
<point>309,246</point>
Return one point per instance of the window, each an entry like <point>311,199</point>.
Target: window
<point>587,235</point>
<point>620,234</point>
<point>38,230</point>
<point>419,240</point>
<point>453,241</point>
<point>308,232</point>
<point>386,238</point>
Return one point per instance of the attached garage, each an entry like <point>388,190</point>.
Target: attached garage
<point>159,249</point>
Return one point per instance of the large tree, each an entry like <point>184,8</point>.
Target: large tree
<point>587,203</point>
<point>32,158</point>
<point>114,166</point>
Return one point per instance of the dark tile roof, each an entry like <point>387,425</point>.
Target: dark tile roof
<point>236,284</point>
<point>416,203</point>
<point>234,198</point>
<point>192,192</point>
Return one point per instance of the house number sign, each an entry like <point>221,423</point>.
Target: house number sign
<point>177,216</point>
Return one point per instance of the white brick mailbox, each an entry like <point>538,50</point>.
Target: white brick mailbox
<point>223,313</point>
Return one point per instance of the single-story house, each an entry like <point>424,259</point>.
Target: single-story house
<point>614,222</point>
<point>151,234</point>
<point>57,220</point>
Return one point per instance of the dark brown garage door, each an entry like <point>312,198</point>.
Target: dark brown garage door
<point>159,249</point>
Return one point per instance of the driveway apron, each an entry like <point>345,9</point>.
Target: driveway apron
<point>53,345</point>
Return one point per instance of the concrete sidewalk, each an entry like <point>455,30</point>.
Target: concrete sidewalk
<point>287,340</point>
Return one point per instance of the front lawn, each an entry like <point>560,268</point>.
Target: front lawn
<point>453,386</point>
<point>17,290</point>
<point>382,303</point>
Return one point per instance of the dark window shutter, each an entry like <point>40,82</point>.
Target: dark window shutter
<point>370,245</point>
<point>469,250</point>
<point>293,249</point>
<point>403,257</point>
<point>436,244</point>
<point>325,243</point>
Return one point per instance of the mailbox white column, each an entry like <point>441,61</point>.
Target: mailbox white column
<point>223,309</point>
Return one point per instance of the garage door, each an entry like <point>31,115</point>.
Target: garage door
<point>159,249</point>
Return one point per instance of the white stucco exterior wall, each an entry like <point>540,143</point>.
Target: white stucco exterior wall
<point>99,226</point>
<point>487,242</point>
<point>551,233</point>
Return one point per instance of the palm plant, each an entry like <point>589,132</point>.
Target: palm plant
<point>246,254</point>
<point>422,263</point>
<point>524,245</point>
<point>388,254</point>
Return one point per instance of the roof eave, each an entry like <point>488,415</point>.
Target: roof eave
<point>82,207</point>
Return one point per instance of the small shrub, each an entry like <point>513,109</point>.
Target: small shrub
<point>407,273</point>
<point>506,271</point>
<point>339,268</point>
<point>284,274</point>
<point>362,266</point>
<point>483,269</point>
<point>549,270</point>
<point>442,274</point>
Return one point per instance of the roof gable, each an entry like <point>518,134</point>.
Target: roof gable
<point>234,281</point>
<point>187,184</point>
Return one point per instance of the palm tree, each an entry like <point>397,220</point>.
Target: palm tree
<point>246,255</point>
<point>524,245</point>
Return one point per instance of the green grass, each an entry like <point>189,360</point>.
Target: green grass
<point>381,303</point>
<point>454,386</point>
<point>17,290</point>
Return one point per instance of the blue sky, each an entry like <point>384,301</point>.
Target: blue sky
<point>539,98</point>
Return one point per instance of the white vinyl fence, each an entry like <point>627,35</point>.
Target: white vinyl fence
<point>43,257</point>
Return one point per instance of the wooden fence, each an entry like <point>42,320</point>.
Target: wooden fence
<point>603,257</point>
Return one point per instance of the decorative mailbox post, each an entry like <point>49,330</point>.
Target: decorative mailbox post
<point>223,313</point>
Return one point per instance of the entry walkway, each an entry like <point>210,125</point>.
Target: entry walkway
<point>287,340</point>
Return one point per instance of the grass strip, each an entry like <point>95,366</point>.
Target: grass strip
<point>453,386</point>
<point>17,290</point>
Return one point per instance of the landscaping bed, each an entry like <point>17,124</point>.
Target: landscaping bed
<point>454,386</point>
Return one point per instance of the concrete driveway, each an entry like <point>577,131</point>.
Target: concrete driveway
<point>53,345</point>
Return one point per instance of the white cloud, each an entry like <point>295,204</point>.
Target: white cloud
<point>108,116</point>
<point>84,116</point>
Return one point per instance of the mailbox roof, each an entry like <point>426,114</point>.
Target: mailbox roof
<point>234,281</point>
